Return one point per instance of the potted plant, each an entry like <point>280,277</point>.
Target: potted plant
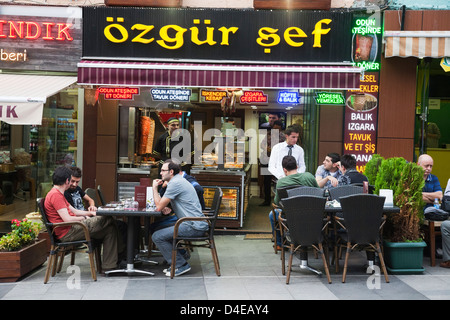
<point>403,244</point>
<point>372,167</point>
<point>20,252</point>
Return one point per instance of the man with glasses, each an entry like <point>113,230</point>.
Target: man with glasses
<point>184,201</point>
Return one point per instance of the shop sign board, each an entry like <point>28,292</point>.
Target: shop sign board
<point>366,42</point>
<point>361,120</point>
<point>170,94</point>
<point>226,35</point>
<point>40,40</point>
<point>361,106</point>
<point>114,93</point>
<point>288,97</point>
<point>26,113</point>
<point>329,98</point>
<point>213,96</point>
<point>255,97</point>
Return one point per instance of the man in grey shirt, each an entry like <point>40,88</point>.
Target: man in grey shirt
<point>182,196</point>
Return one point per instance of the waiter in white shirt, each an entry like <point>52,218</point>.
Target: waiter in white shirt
<point>287,148</point>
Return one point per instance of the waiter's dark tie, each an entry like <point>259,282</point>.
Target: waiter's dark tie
<point>290,150</point>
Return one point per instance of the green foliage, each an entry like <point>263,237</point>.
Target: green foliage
<point>23,233</point>
<point>406,181</point>
<point>405,226</point>
<point>372,167</point>
<point>389,173</point>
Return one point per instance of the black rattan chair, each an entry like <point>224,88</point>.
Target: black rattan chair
<point>304,218</point>
<point>282,193</point>
<point>207,241</point>
<point>371,188</point>
<point>335,194</point>
<point>363,215</point>
<point>92,193</point>
<point>305,190</point>
<point>342,191</point>
<point>59,249</point>
<point>100,196</point>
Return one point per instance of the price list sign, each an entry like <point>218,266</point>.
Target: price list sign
<point>361,115</point>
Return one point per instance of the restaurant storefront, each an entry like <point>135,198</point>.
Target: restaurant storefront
<point>220,68</point>
<point>414,57</point>
<point>39,50</point>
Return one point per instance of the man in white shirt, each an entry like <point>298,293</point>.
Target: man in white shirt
<point>288,147</point>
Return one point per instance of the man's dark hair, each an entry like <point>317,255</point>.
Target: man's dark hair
<point>289,163</point>
<point>76,172</point>
<point>291,129</point>
<point>276,114</point>
<point>348,161</point>
<point>61,175</point>
<point>278,123</point>
<point>335,157</point>
<point>173,165</point>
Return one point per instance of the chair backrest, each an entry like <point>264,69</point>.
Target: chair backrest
<point>282,192</point>
<point>360,184</point>
<point>304,216</point>
<point>217,200</point>
<point>92,193</point>
<point>48,225</point>
<point>100,195</point>
<point>306,191</point>
<point>342,191</point>
<point>363,215</point>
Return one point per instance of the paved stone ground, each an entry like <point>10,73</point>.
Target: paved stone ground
<point>250,271</point>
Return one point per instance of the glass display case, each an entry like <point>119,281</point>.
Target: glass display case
<point>235,187</point>
<point>230,153</point>
<point>230,201</point>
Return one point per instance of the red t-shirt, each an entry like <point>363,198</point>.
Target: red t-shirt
<point>55,201</point>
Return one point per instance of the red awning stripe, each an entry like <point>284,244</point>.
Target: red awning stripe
<point>159,74</point>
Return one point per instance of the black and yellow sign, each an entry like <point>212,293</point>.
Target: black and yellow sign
<point>216,34</point>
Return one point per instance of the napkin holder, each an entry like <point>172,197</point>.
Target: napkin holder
<point>388,193</point>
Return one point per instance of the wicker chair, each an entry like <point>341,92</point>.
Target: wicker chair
<point>304,219</point>
<point>206,241</point>
<point>305,190</point>
<point>59,249</point>
<point>363,215</point>
<point>282,193</point>
<point>92,193</point>
<point>100,196</point>
<point>342,191</point>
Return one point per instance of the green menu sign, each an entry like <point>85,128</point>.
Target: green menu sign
<point>334,98</point>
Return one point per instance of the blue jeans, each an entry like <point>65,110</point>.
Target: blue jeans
<point>272,223</point>
<point>163,239</point>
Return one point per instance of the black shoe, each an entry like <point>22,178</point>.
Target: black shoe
<point>264,204</point>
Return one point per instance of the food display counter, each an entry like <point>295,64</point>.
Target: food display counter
<point>235,186</point>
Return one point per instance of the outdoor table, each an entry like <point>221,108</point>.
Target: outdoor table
<point>132,218</point>
<point>386,209</point>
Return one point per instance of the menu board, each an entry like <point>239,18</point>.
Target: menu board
<point>361,106</point>
<point>361,115</point>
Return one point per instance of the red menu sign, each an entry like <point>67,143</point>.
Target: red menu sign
<point>361,115</point>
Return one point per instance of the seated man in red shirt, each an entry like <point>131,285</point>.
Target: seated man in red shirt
<point>101,227</point>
